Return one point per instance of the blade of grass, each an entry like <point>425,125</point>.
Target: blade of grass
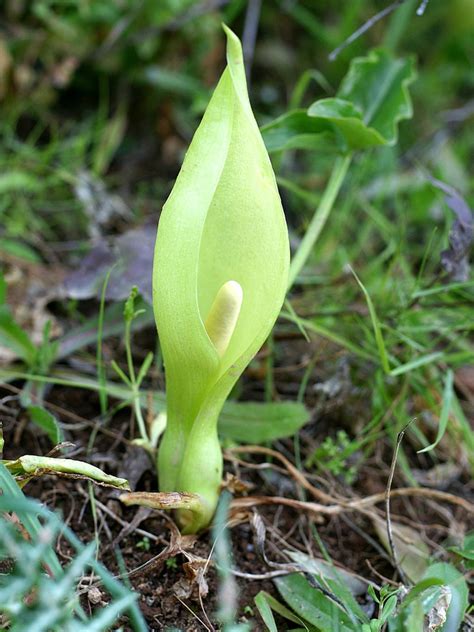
<point>375,325</point>
<point>448,394</point>
<point>417,363</point>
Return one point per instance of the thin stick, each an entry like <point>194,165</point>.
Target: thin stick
<point>422,7</point>
<point>183,603</point>
<point>343,504</point>
<point>365,27</point>
<point>391,541</point>
<point>370,23</point>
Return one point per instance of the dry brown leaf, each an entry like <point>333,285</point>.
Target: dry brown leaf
<point>412,553</point>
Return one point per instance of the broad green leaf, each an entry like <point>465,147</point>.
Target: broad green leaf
<point>419,590</point>
<point>266,603</point>
<point>341,583</point>
<point>297,130</point>
<point>15,338</point>
<point>372,99</point>
<point>354,583</point>
<point>260,422</point>
<point>252,422</point>
<point>312,605</point>
<point>39,465</point>
<point>388,608</point>
<point>222,222</point>
<point>346,122</point>
<point>48,422</point>
<point>458,590</point>
<point>265,612</point>
<point>377,85</point>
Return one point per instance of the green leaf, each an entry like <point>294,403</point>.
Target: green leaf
<point>419,589</point>
<point>466,550</point>
<point>377,85</point>
<point>261,422</point>
<point>222,222</point>
<point>346,122</point>
<point>15,338</point>
<point>9,491</point>
<point>312,605</point>
<point>265,611</point>
<point>19,249</point>
<point>372,99</point>
<point>388,608</point>
<point>40,465</point>
<point>255,422</point>
<point>48,422</point>
<point>379,340</point>
<point>343,584</point>
<point>448,393</point>
<point>19,181</point>
<point>266,603</point>
<point>457,586</point>
<point>297,130</point>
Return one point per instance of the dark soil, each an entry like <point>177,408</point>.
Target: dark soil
<point>174,590</point>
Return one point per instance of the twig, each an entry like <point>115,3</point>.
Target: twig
<point>422,7</point>
<point>259,543</point>
<point>123,523</point>
<point>335,505</point>
<point>365,27</point>
<point>315,508</point>
<point>385,580</point>
<point>183,603</point>
<point>260,576</point>
<point>391,541</point>
<point>292,470</point>
<point>370,23</point>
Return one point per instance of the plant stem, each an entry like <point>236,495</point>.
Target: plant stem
<point>320,217</point>
<point>135,387</point>
<point>128,351</point>
<point>139,417</point>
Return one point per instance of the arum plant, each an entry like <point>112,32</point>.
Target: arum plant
<point>219,280</point>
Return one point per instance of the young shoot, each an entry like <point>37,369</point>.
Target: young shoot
<point>219,280</point>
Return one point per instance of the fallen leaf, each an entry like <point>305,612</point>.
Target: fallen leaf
<point>411,551</point>
<point>100,206</point>
<point>129,258</point>
<point>455,259</point>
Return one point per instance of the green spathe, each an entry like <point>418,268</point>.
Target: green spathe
<point>222,222</point>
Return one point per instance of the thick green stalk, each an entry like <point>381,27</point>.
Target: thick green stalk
<point>201,471</point>
<point>190,455</point>
<point>320,217</point>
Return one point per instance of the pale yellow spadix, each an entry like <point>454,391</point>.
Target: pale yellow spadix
<point>222,318</point>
